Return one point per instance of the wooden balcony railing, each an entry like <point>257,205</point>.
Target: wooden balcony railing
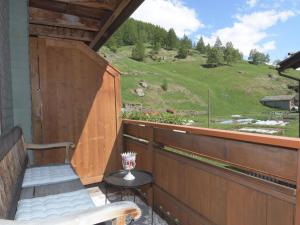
<point>214,177</point>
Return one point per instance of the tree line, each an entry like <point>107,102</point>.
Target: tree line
<point>139,33</point>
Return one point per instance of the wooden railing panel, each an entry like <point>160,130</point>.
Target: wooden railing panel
<point>137,131</point>
<point>280,212</point>
<point>201,193</point>
<point>143,161</point>
<point>271,160</point>
<point>245,206</point>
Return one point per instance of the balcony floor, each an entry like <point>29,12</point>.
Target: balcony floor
<point>98,197</point>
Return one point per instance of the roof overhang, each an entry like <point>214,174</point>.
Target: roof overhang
<point>292,62</point>
<point>89,21</point>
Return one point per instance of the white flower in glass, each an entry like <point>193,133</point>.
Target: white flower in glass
<point>128,162</point>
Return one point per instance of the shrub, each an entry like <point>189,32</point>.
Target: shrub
<point>164,85</point>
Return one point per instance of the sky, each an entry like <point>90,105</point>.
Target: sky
<point>270,26</point>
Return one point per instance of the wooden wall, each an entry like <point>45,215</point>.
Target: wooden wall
<point>75,97</point>
<point>206,192</point>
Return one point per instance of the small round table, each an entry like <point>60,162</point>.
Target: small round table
<point>142,178</point>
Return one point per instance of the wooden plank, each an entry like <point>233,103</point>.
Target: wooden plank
<point>280,212</point>
<point>245,206</point>
<point>71,9</point>
<point>297,211</point>
<point>56,19</point>
<point>144,155</point>
<point>60,32</point>
<point>170,206</point>
<point>126,13</point>
<point>137,131</point>
<point>280,192</point>
<point>106,5</point>
<point>286,142</point>
<point>79,105</point>
<point>35,91</point>
<point>271,160</point>
<point>109,22</point>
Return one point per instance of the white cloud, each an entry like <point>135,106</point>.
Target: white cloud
<point>250,31</point>
<point>169,14</point>
<point>252,3</point>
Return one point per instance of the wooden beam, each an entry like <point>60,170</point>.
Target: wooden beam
<point>71,9</point>
<point>125,14</point>
<point>60,32</point>
<point>50,18</point>
<point>109,22</point>
<point>99,4</point>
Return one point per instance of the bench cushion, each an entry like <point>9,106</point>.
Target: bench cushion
<point>44,175</point>
<point>54,205</point>
<point>51,189</point>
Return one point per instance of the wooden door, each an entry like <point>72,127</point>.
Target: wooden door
<point>75,97</point>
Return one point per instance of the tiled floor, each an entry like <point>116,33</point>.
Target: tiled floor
<point>99,199</point>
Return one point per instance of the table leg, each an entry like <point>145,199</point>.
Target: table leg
<point>152,185</point>
<point>121,194</point>
<point>105,186</point>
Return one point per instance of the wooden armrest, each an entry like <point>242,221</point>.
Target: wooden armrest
<point>49,146</point>
<point>54,146</point>
<point>115,211</point>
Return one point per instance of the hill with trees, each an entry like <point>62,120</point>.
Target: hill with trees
<point>179,73</point>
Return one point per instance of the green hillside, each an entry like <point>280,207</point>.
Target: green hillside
<point>234,90</point>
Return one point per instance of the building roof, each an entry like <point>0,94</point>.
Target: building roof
<point>89,21</point>
<point>278,98</point>
<point>291,62</point>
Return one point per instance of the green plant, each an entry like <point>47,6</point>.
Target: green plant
<point>164,85</point>
<point>138,51</point>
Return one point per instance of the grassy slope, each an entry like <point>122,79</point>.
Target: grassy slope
<point>234,89</point>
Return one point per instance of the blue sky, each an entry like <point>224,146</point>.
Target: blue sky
<point>271,26</point>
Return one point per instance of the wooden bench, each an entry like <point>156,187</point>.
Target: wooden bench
<point>51,194</point>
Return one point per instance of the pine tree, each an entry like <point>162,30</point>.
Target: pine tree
<point>256,57</point>
<point>171,40</point>
<point>201,46</point>
<point>183,52</point>
<point>185,41</point>
<point>130,35</point>
<point>215,56</point>
<point>138,51</point>
<point>230,53</point>
<point>218,43</point>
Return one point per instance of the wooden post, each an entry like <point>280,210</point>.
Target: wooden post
<point>297,213</point>
<point>208,110</point>
<point>152,153</point>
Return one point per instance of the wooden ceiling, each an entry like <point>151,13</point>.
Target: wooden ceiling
<point>90,21</point>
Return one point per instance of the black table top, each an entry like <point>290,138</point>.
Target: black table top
<point>141,178</point>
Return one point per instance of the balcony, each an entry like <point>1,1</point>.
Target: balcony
<point>67,92</point>
<point>205,176</point>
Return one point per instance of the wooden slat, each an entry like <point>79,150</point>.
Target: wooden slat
<point>137,131</point>
<point>223,198</point>
<point>144,155</point>
<point>245,206</point>
<point>56,19</point>
<point>60,32</point>
<point>71,9</point>
<point>99,4</point>
<point>271,160</point>
<point>109,22</point>
<point>279,212</point>
<point>286,142</point>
